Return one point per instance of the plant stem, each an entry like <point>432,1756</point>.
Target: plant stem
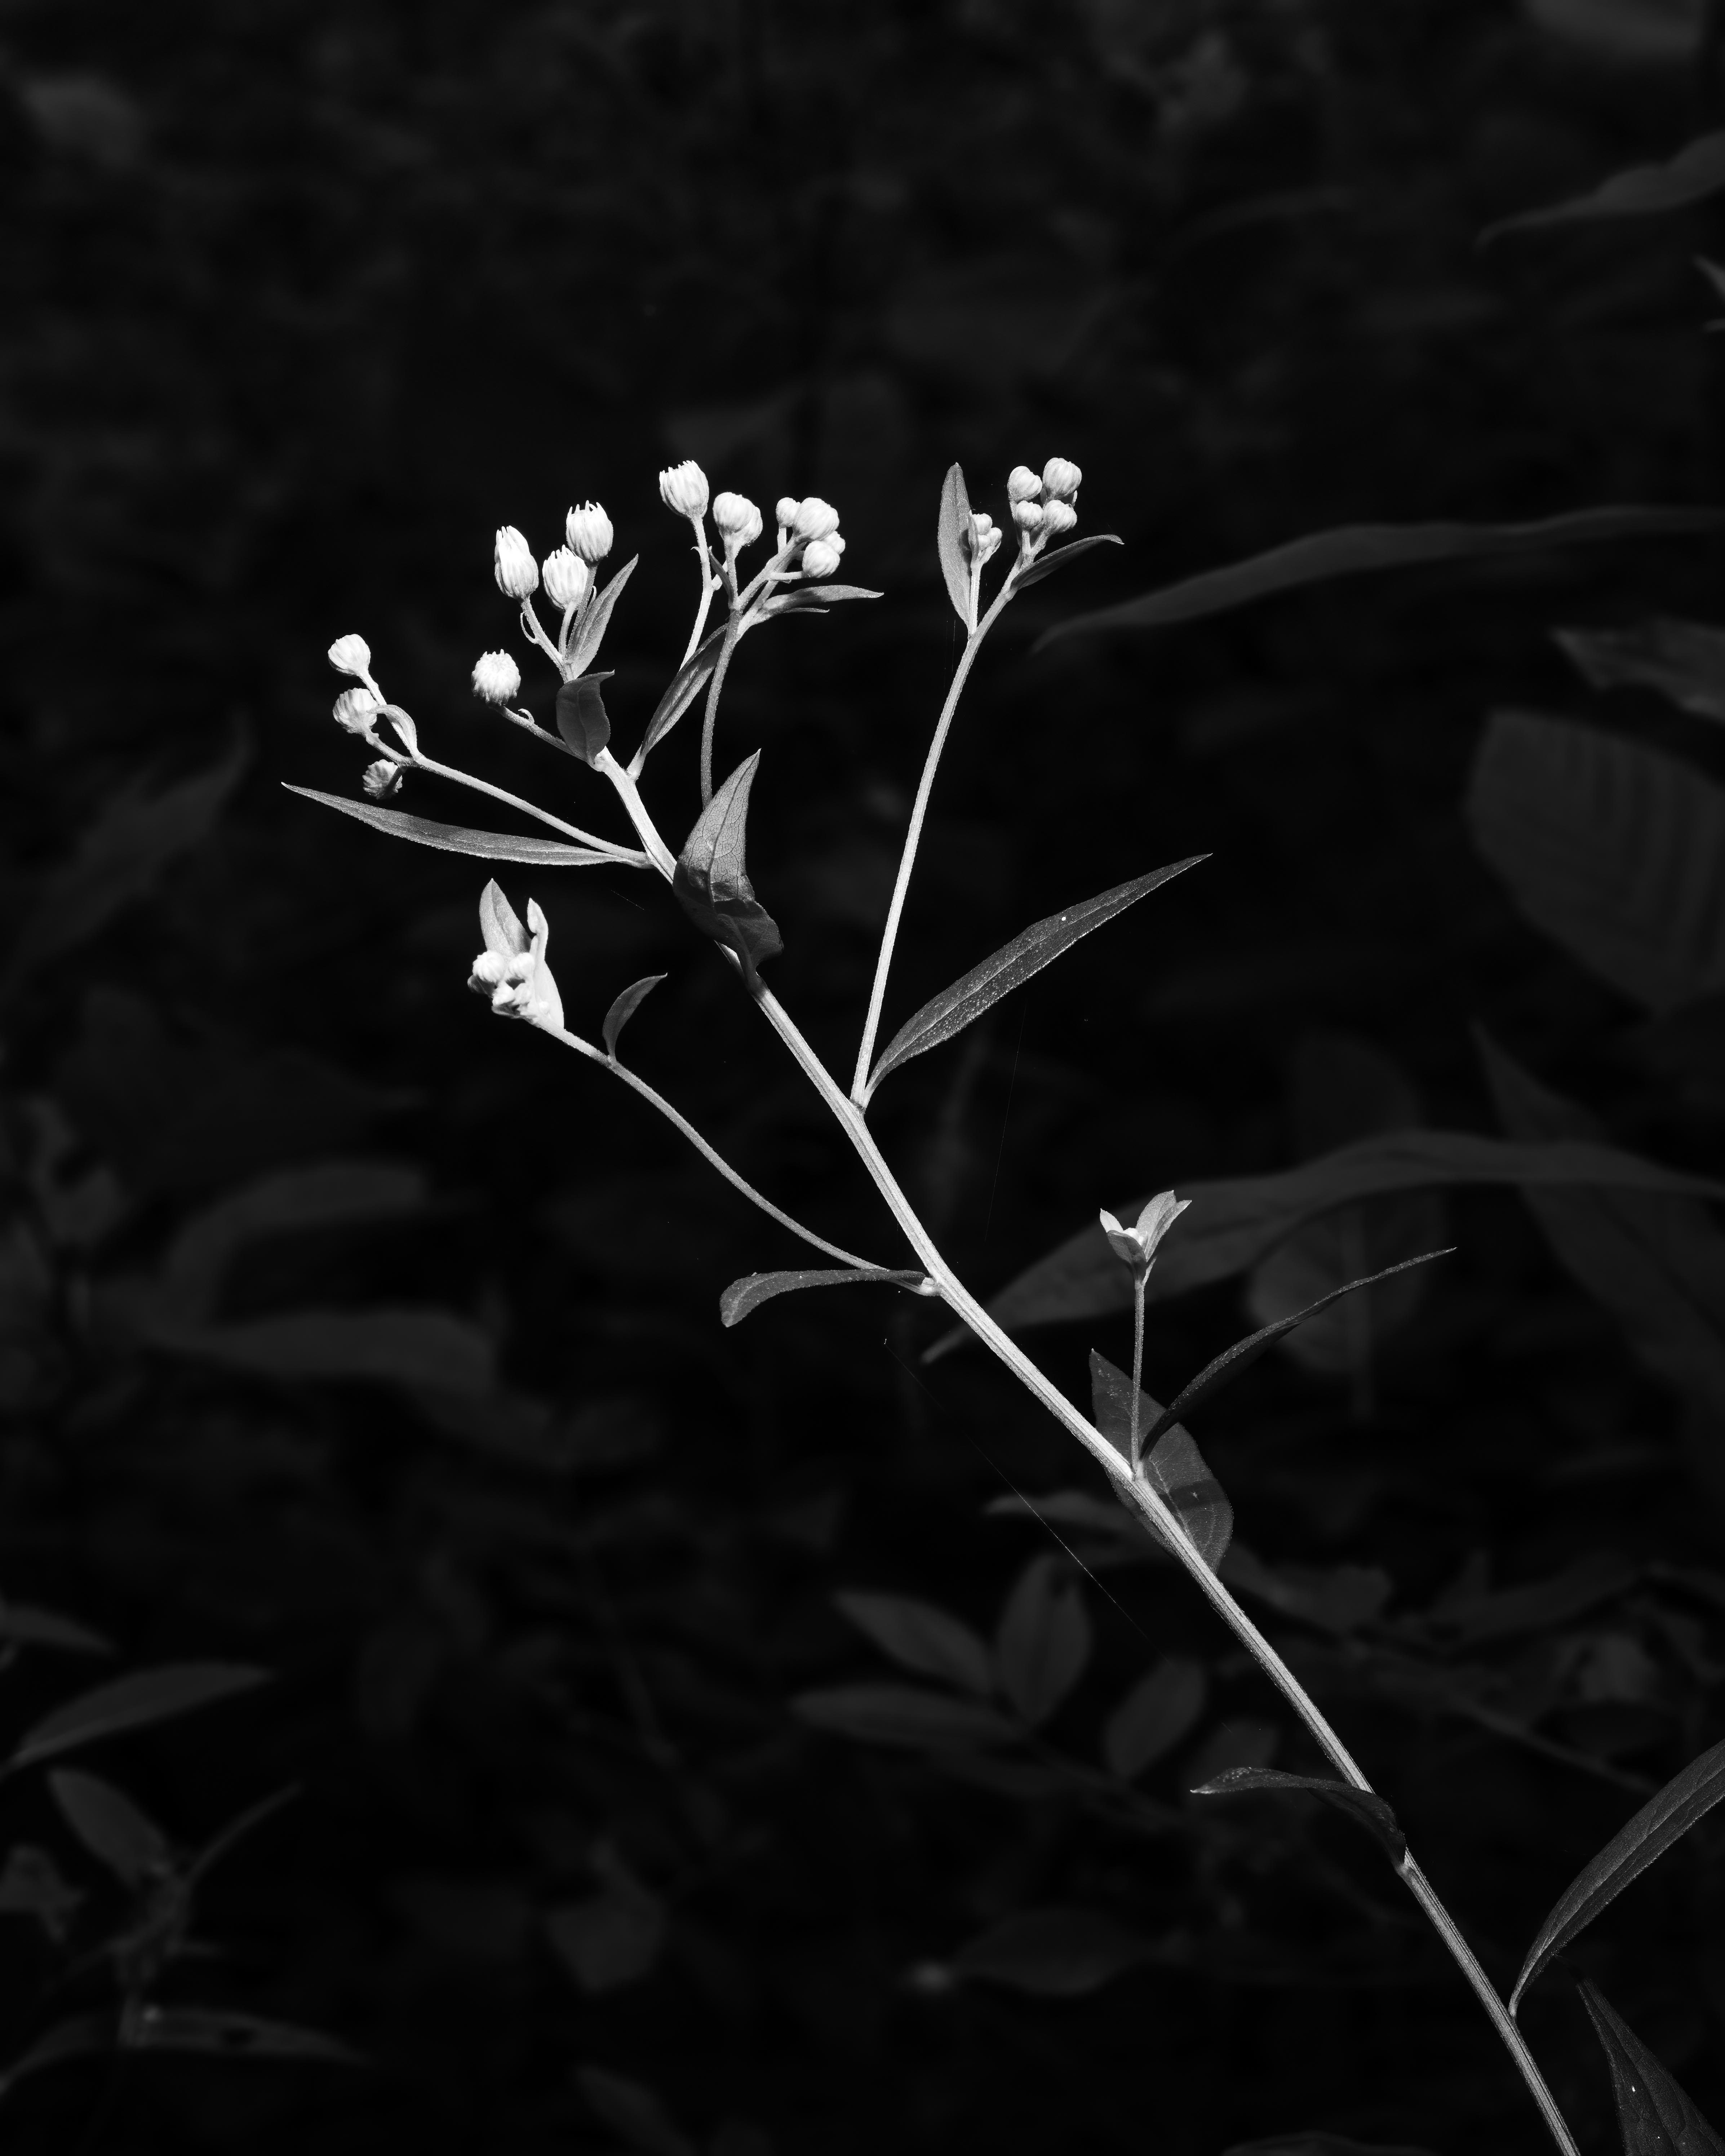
<point>733,635</point>
<point>1141,1281</point>
<point>708,585</point>
<point>907,859</point>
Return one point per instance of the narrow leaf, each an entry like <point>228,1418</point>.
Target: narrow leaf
<point>452,838</point>
<point>1655,2114</point>
<point>905,1715</point>
<point>746,1295</point>
<point>711,882</point>
<point>1161,1708</point>
<point>596,620</point>
<point>1356,549</point>
<point>581,718</point>
<point>1053,1953</point>
<point>686,684</point>
<point>214,2032</point>
<point>1044,1639</point>
<point>1227,1366</point>
<point>1681,660</point>
<point>1011,966</point>
<point>625,1008</point>
<point>1663,1819</point>
<point>1174,1467</point>
<point>919,1637</point>
<point>31,1626</point>
<point>1698,170</point>
<point>110,1825</point>
<point>133,1702</point>
<point>1062,555</point>
<point>831,594</point>
<point>1361,1805</point>
<point>1616,851</point>
<point>953,537</point>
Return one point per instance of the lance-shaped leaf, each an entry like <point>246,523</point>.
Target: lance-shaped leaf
<point>111,1826</point>
<point>1655,2114</point>
<point>217,2033</point>
<point>133,1702</point>
<point>1227,1366</point>
<point>1011,965</point>
<point>581,718</point>
<point>453,839</point>
<point>711,882</point>
<point>1354,549</point>
<point>690,678</point>
<point>593,623</point>
<point>1042,1640</point>
<point>1061,556</point>
<point>955,535</point>
<point>1682,660</point>
<point>1698,170</point>
<point>625,1008</point>
<point>76,2037</point>
<point>1361,1805</point>
<point>816,598</point>
<point>1663,1819</point>
<point>746,1295</point>
<point>921,1637</point>
<point>1174,1467</point>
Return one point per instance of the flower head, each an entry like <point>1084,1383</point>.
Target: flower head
<point>1058,517</point>
<point>1022,485</point>
<point>814,518</point>
<point>820,558</point>
<point>1060,480</point>
<point>589,532</point>
<point>1028,515</point>
<point>513,565</point>
<point>382,778</point>
<point>511,969</point>
<point>1136,1245</point>
<point>356,710</point>
<point>496,677</point>
<point>738,519</point>
<point>352,654</point>
<point>683,488</point>
<point>568,578</point>
<point>785,510</point>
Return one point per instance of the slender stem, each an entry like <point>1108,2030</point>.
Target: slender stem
<point>660,855</point>
<point>1141,1281</point>
<point>536,634</point>
<point>625,855</point>
<point>907,859</point>
<point>733,636</point>
<point>708,585</point>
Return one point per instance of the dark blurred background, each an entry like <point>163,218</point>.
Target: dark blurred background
<point>346,1332</point>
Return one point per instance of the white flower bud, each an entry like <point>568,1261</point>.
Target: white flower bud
<point>820,558</point>
<point>510,972</point>
<point>683,488</point>
<point>352,654</point>
<point>988,544</point>
<point>1022,485</point>
<point>496,677</point>
<point>786,511</point>
<point>1027,517</point>
<point>1136,1245</point>
<point>814,518</point>
<point>738,519</point>
<point>1057,516</point>
<point>513,565</point>
<point>382,778</point>
<point>1060,480</point>
<point>567,578</point>
<point>589,532</point>
<point>356,709</point>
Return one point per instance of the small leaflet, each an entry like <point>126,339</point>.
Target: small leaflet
<point>746,1295</point>
<point>625,1008</point>
<point>582,719</point>
<point>1363,1806</point>
<point>711,882</point>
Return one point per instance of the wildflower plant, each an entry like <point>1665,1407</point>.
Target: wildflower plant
<point>1156,1470</point>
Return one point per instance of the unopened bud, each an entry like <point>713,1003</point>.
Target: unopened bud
<point>496,677</point>
<point>988,544</point>
<point>1022,485</point>
<point>785,510</point>
<point>356,709</point>
<point>814,518</point>
<point>352,654</point>
<point>382,778</point>
<point>1060,480</point>
<point>513,565</point>
<point>1028,517</point>
<point>567,578</point>
<point>820,558</point>
<point>1057,516</point>
<point>589,532</point>
<point>738,519</point>
<point>683,488</point>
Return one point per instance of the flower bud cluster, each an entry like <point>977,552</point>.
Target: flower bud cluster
<point>1043,509</point>
<point>683,489</point>
<point>810,529</point>
<point>510,972</point>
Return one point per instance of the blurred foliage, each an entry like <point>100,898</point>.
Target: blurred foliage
<point>345,1333</point>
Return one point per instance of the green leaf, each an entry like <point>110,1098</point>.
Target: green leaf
<point>1663,1819</point>
<point>955,535</point>
<point>110,1825</point>
<point>904,1715</point>
<point>132,1702</point>
<point>594,622</point>
<point>1682,660</point>
<point>1042,1640</point>
<point>1061,556</point>
<point>1616,851</point>
<point>1654,2114</point>
<point>214,2033</point>
<point>581,718</point>
<point>1173,1466</point>
<point>919,1637</point>
<point>1222,1369</point>
<point>1361,1805</point>
<point>690,678</point>
<point>452,838</point>
<point>1162,1707</point>
<point>1357,549</point>
<point>625,1008</point>
<point>1011,965</point>
<point>746,1295</point>
<point>711,882</point>
<point>1697,171</point>
<point>1233,1223</point>
<point>1053,1953</point>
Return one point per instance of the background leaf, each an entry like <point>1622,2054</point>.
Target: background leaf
<point>111,1826</point>
<point>1654,2115</point>
<point>1162,1707</point>
<point>216,2033</point>
<point>1042,1640</point>
<point>904,1715</point>
<point>453,839</point>
<point>1697,171</point>
<point>132,1702</point>
<point>380,1345</point>
<point>1053,1953</point>
<point>919,1637</point>
<point>1682,660</point>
